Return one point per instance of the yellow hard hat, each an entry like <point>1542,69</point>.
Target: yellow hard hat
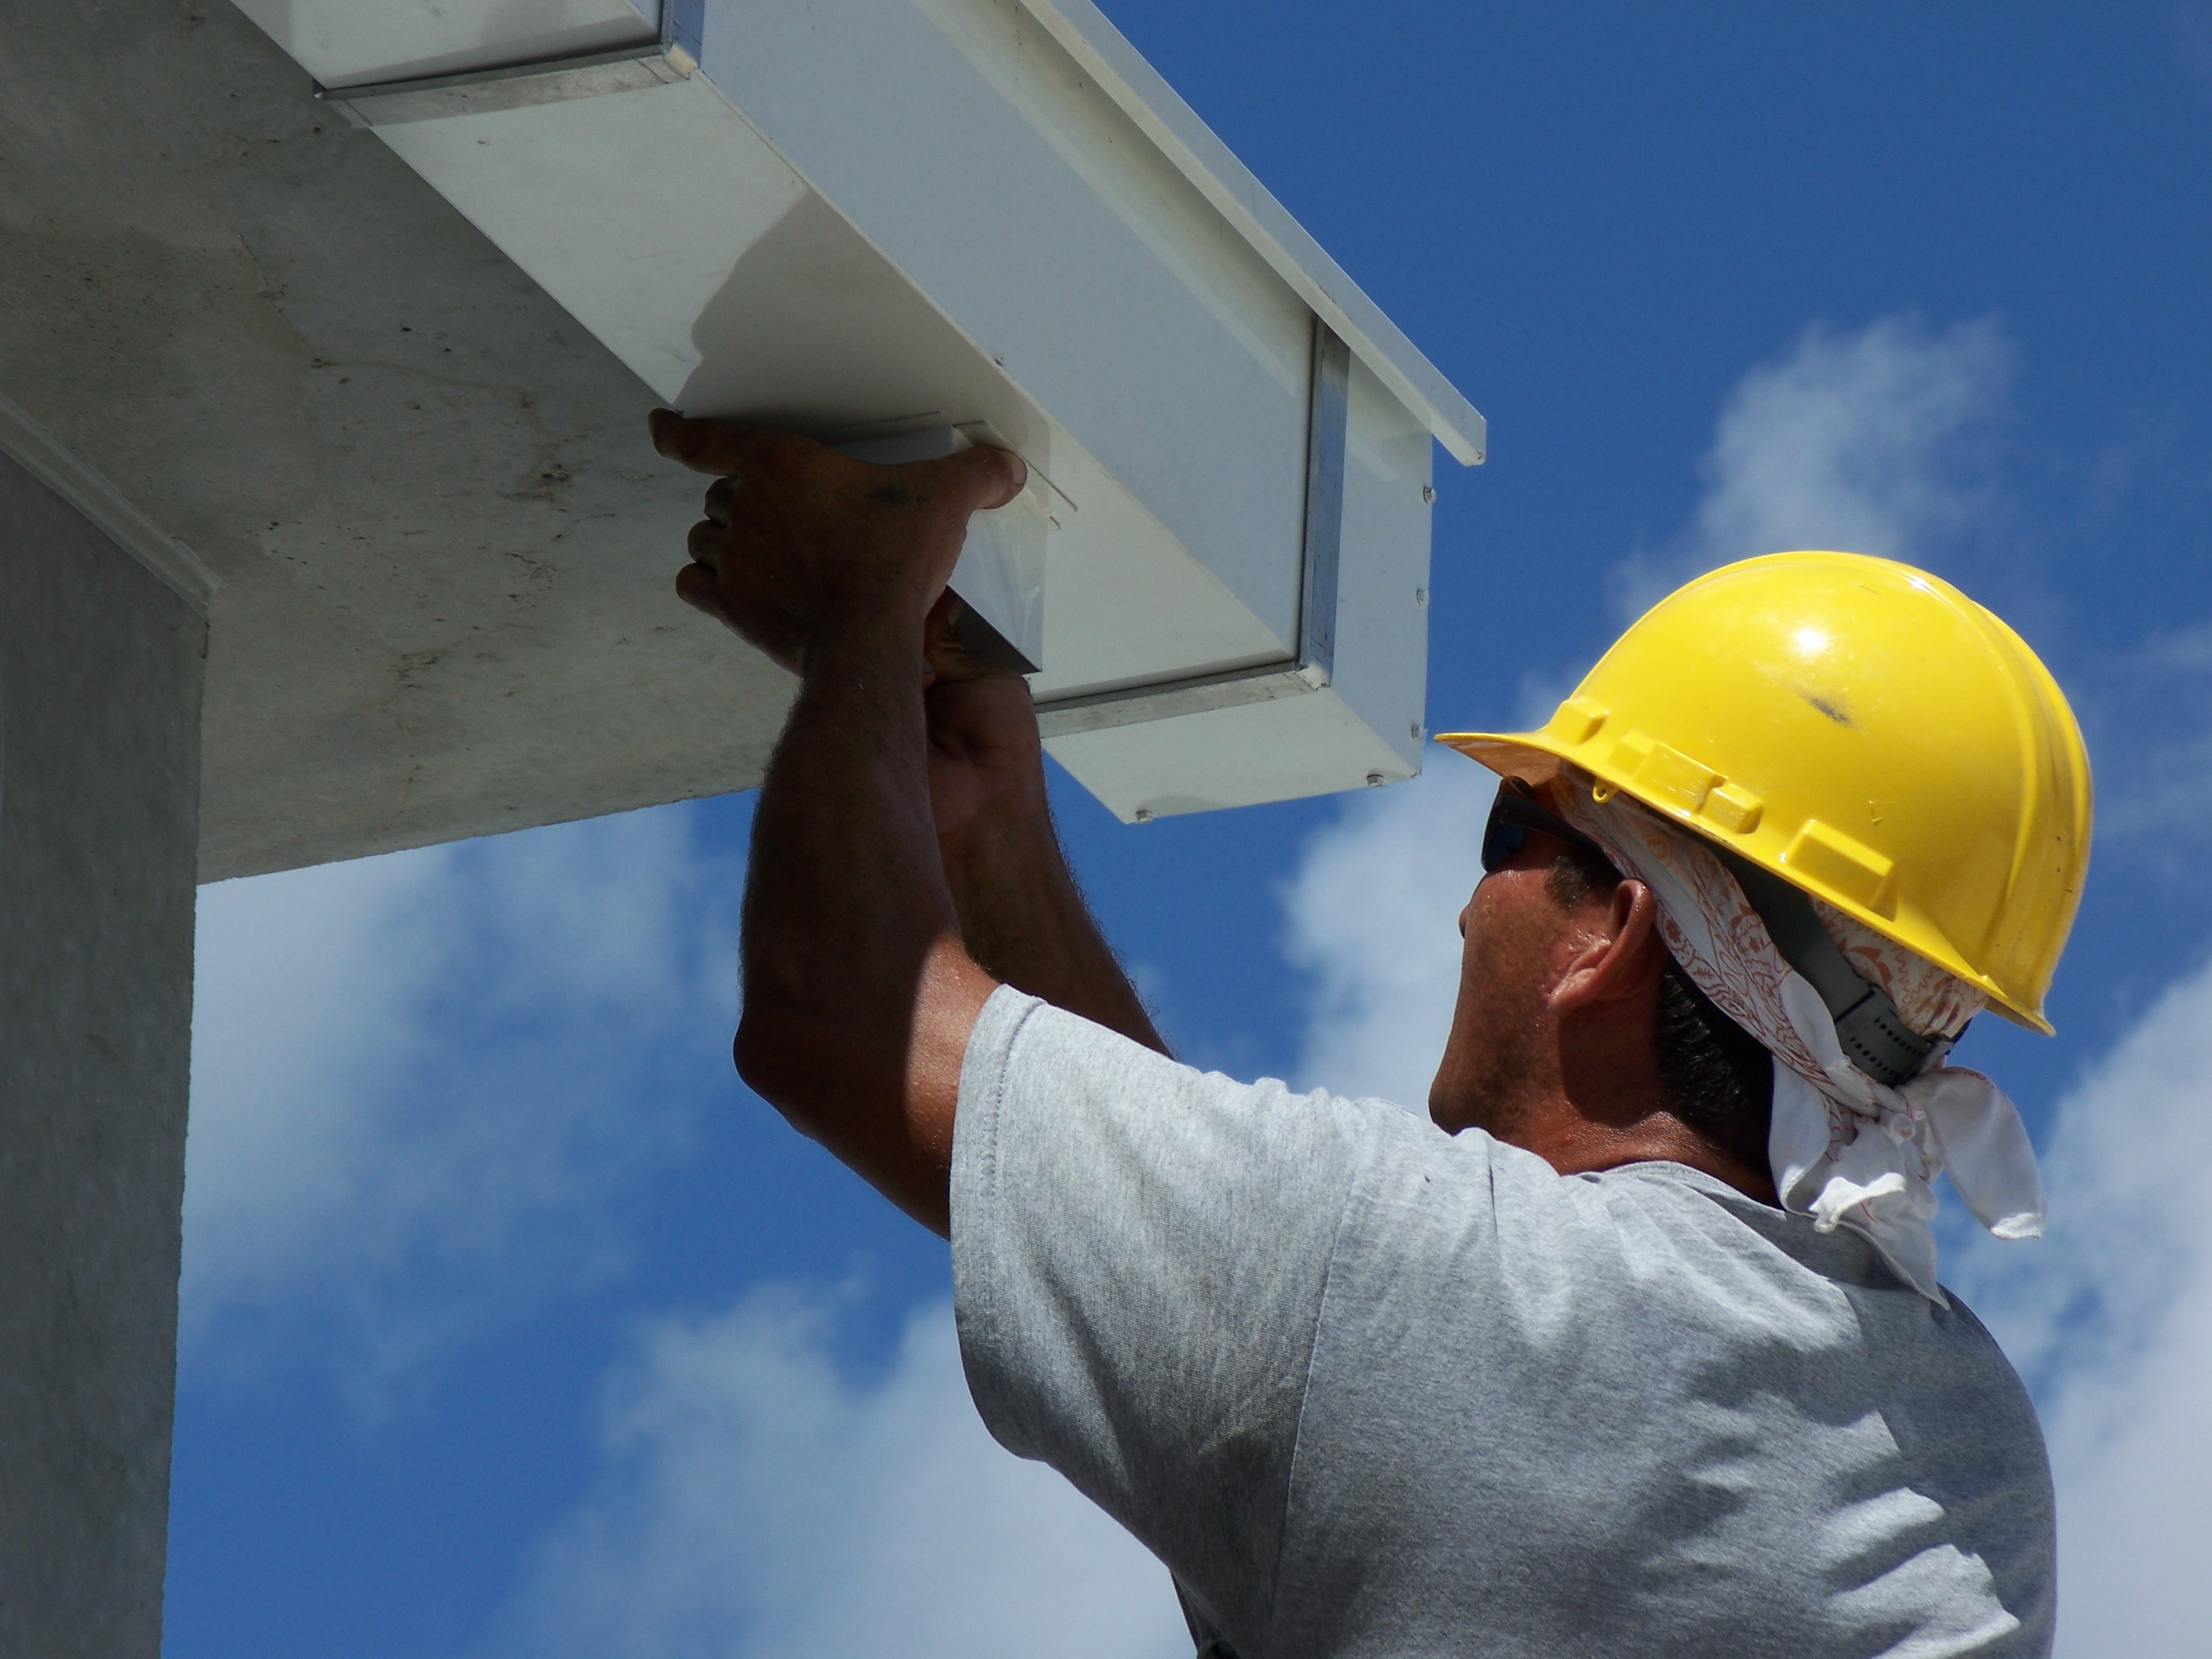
<point>1860,729</point>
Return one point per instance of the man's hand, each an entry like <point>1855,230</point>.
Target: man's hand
<point>986,762</point>
<point>1022,917</point>
<point>798,539</point>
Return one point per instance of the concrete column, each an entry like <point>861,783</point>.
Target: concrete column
<point>100,663</point>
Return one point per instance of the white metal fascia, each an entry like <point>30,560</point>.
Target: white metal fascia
<point>1145,98</point>
<point>42,455</point>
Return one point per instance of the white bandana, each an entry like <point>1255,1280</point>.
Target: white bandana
<point>1845,1149</point>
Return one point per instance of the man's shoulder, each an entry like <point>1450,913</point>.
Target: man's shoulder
<point>1644,1245</point>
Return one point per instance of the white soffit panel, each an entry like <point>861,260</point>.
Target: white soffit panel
<point>862,217</point>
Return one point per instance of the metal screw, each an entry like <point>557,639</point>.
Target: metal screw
<point>1417,730</point>
<point>1428,495</point>
<point>1420,596</point>
<point>1144,815</point>
<point>1374,779</point>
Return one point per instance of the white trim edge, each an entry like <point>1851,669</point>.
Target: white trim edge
<point>1192,147</point>
<point>39,453</point>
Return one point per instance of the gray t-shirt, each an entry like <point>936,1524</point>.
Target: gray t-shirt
<point>1369,1388</point>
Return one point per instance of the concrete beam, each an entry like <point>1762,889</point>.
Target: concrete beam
<point>100,669</point>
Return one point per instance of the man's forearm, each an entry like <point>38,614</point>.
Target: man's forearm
<point>859,998</point>
<point>1024,921</point>
<point>850,941</point>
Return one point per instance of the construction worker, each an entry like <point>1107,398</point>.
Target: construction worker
<point>1635,1344</point>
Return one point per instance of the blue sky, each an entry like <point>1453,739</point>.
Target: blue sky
<point>511,1324</point>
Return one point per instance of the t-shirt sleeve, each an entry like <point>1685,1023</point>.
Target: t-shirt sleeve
<point>1139,1252</point>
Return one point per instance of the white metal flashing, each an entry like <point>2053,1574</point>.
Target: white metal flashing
<point>39,453</point>
<point>867,218</point>
<point>1146,99</point>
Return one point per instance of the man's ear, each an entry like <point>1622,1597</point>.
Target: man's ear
<point>1622,955</point>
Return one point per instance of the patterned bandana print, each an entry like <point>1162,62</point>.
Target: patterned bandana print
<point>1845,1149</point>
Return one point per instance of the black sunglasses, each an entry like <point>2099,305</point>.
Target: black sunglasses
<point>1514,814</point>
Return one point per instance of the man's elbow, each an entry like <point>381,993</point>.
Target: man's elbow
<point>801,1064</point>
<point>768,1054</point>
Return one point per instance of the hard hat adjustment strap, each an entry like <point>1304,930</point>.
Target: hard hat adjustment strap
<point>1872,1032</point>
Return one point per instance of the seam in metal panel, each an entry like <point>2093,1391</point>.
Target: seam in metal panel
<point>1067,717</point>
<point>39,453</point>
<point>520,86</point>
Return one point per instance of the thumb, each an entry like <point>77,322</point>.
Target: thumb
<point>721,448</point>
<point>990,476</point>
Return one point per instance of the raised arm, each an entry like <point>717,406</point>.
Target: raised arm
<point>859,996</point>
<point>1021,914</point>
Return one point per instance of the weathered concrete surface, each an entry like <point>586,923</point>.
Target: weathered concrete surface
<point>447,548</point>
<point>99,705</point>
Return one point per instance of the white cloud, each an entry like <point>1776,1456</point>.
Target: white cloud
<point>761,1503</point>
<point>2110,1317</point>
<point>2150,710</point>
<point>298,985</point>
<point>1373,915</point>
<point>421,1077</point>
<point>1865,442</point>
<point>424,1087</point>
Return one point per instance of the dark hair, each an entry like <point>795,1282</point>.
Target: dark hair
<point>1718,1077</point>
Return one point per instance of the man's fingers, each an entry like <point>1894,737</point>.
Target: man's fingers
<point>720,448</point>
<point>988,477</point>
<point>719,494</point>
<point>705,544</point>
<point>696,586</point>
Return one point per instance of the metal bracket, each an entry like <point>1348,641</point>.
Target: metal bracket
<point>1329,413</point>
<point>1328,416</point>
<point>683,26</point>
<point>438,97</point>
